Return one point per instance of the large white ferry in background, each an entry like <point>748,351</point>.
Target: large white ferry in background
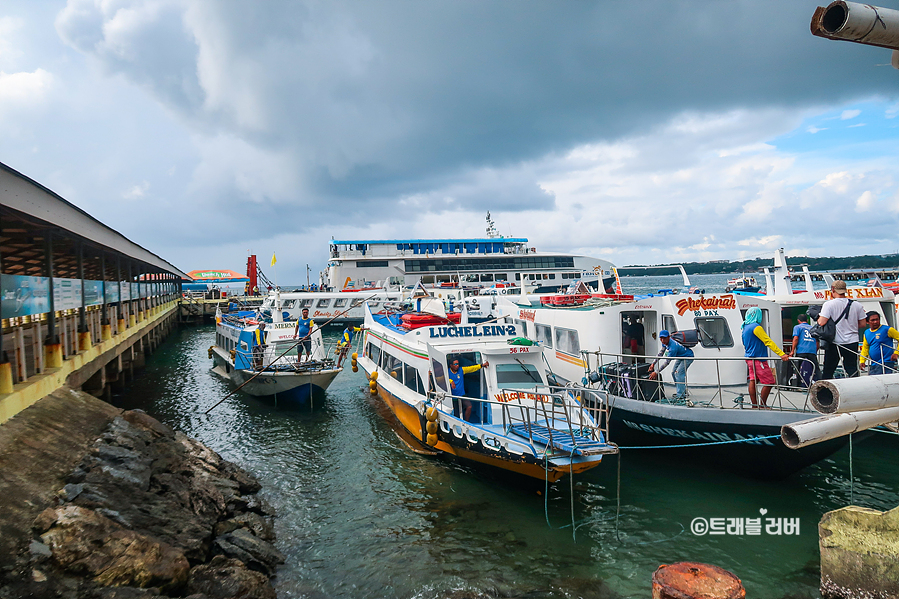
<point>378,270</point>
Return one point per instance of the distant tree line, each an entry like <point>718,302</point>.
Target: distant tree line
<point>757,264</point>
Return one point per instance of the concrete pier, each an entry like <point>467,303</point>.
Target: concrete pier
<point>82,305</point>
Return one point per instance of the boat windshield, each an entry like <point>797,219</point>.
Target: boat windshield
<point>514,376</point>
<point>282,346</point>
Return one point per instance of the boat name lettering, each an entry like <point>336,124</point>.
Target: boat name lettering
<point>472,331</point>
<point>527,314</point>
<point>281,325</point>
<point>725,302</point>
<point>673,432</point>
<point>854,293</point>
<point>639,307</point>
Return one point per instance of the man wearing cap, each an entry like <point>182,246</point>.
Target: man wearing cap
<point>672,349</point>
<point>849,317</point>
<point>878,347</point>
<point>457,381</point>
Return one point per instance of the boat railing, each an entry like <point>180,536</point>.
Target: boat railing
<point>699,392</point>
<point>557,416</point>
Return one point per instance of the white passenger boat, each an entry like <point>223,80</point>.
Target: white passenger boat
<point>276,370</point>
<point>514,421</point>
<point>603,347</point>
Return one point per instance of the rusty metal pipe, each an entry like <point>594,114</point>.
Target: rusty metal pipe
<point>831,426</point>
<point>859,23</point>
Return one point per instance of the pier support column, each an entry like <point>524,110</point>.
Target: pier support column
<point>105,332</point>
<point>84,340</point>
<point>120,324</point>
<point>132,320</point>
<point>53,355</point>
<point>6,385</point>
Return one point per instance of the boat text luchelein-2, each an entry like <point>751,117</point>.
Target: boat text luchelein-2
<point>426,369</point>
<point>274,367</point>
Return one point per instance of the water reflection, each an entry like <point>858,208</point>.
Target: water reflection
<point>363,516</point>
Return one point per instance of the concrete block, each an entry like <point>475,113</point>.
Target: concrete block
<point>859,553</point>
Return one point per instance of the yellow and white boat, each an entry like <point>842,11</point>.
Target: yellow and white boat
<point>515,421</point>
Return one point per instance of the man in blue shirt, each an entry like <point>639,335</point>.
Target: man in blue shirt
<point>672,349</point>
<point>805,347</point>
<point>878,348</point>
<point>457,382</point>
<point>302,332</point>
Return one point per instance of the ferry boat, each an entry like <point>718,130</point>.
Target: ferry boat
<point>277,371</point>
<point>514,421</point>
<point>602,348</point>
<point>744,283</point>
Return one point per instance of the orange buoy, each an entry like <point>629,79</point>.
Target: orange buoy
<point>692,580</point>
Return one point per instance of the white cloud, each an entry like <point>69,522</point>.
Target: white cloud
<point>856,125</point>
<point>24,89</point>
<point>864,202</point>
<point>892,111</point>
<point>814,130</point>
<point>849,114</point>
<point>9,28</point>
<point>137,192</point>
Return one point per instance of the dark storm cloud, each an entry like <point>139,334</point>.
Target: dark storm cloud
<point>378,99</point>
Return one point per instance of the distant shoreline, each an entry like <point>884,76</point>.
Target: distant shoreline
<point>754,266</point>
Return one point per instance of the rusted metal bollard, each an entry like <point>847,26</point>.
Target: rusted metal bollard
<point>692,580</point>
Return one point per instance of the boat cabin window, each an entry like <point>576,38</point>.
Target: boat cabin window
<point>517,376</point>
<point>288,348</point>
<point>340,302</point>
<point>889,314</point>
<point>486,277</point>
<point>668,323</point>
<point>374,354</point>
<point>323,303</point>
<point>288,304</point>
<point>501,276</point>
<point>413,381</point>
<point>567,341</point>
<point>438,375</point>
<point>714,332</point>
<point>393,366</point>
<point>523,324</point>
<point>305,303</point>
<point>544,335</point>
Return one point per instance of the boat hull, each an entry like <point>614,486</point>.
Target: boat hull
<point>731,437</point>
<point>283,386</point>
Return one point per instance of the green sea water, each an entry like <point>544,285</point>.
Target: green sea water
<point>360,515</point>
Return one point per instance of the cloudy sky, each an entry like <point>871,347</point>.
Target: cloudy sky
<point>640,132</point>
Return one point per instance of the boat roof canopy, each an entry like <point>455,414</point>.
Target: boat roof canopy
<point>393,241</point>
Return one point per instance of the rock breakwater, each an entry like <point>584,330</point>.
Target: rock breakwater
<point>149,512</point>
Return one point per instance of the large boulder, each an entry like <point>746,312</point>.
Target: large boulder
<point>256,553</point>
<point>859,553</point>
<point>226,578</point>
<point>86,543</point>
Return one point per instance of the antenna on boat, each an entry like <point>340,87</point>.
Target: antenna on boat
<point>491,227</point>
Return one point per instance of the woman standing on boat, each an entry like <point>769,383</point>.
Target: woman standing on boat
<point>756,343</point>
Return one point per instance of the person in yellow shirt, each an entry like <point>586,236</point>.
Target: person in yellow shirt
<point>878,347</point>
<point>457,381</point>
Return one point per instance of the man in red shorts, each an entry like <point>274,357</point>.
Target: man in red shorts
<point>756,342</point>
